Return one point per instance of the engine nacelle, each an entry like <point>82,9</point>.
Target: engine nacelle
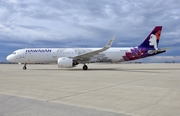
<point>65,62</point>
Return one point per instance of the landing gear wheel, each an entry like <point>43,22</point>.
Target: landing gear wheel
<point>24,68</point>
<point>85,67</point>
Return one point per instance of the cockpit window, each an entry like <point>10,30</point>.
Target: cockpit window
<point>14,53</point>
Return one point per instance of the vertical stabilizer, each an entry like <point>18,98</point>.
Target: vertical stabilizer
<point>152,39</point>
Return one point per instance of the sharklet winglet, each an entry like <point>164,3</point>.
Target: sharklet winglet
<point>109,43</point>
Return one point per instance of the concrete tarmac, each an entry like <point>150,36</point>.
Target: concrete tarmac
<point>104,89</point>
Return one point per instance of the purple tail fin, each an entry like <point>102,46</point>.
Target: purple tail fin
<point>152,39</point>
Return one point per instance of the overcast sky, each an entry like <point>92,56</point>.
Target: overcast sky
<point>86,23</point>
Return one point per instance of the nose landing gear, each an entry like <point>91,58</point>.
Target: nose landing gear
<point>24,67</point>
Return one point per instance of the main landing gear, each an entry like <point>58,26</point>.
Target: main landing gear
<point>85,67</point>
<point>24,67</point>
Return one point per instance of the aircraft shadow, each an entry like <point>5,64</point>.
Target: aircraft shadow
<point>148,70</point>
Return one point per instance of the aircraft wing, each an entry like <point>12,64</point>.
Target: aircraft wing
<point>87,56</point>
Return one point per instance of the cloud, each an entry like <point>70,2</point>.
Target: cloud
<point>33,27</point>
<point>85,23</point>
<point>4,29</point>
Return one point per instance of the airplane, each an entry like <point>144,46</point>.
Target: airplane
<point>71,57</point>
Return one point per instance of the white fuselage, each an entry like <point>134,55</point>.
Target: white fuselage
<point>51,55</point>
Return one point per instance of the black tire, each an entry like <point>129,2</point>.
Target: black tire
<point>24,68</point>
<point>85,67</point>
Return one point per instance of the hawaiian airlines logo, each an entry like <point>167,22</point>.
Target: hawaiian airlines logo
<point>154,39</point>
<point>38,50</point>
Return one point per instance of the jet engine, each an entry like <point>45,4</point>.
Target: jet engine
<point>65,62</point>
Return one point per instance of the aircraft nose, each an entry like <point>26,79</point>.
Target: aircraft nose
<point>9,58</point>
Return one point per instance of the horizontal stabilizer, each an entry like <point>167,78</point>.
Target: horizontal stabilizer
<point>157,51</point>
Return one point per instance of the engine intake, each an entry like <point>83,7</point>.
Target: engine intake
<point>65,62</point>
